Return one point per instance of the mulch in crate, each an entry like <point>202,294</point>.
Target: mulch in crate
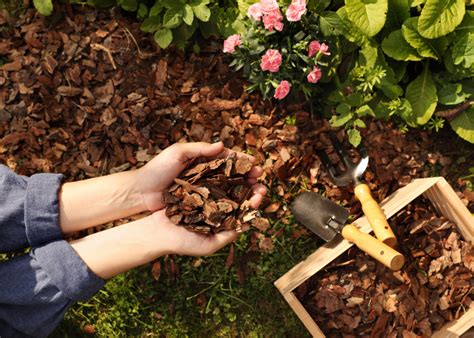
<point>357,296</point>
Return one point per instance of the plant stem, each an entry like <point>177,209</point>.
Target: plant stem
<point>452,113</point>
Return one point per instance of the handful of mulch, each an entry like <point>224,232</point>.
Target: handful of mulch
<point>211,196</point>
<point>356,296</point>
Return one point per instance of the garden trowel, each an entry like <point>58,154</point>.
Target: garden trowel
<point>353,173</point>
<point>327,219</point>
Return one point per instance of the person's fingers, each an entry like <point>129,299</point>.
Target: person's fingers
<point>221,239</point>
<point>259,191</point>
<point>256,172</point>
<point>191,150</point>
<point>252,181</point>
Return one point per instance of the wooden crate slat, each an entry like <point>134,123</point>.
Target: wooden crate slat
<point>303,315</point>
<point>443,197</point>
<point>455,210</point>
<point>329,251</point>
<point>456,328</point>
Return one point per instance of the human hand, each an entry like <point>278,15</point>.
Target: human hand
<point>157,175</point>
<point>182,241</point>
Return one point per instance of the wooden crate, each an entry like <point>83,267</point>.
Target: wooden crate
<point>443,197</point>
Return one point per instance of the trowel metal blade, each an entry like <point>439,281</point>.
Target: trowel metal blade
<point>320,215</point>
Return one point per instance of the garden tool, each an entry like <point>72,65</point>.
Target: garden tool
<point>352,173</point>
<point>327,219</point>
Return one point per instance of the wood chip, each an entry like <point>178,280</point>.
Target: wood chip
<point>209,196</point>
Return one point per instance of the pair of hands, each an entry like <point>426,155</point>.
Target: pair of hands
<point>157,175</point>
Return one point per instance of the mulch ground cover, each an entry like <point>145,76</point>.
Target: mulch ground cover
<point>85,93</point>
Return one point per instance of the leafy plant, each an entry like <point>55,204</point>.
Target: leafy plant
<point>411,60</point>
<point>280,54</point>
<point>171,21</point>
<point>175,20</point>
<point>426,51</point>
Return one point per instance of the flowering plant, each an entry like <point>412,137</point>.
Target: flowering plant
<point>280,51</point>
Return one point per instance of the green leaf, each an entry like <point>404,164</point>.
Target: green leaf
<point>202,12</point>
<point>188,17</point>
<point>128,5</point>
<point>156,9</point>
<point>173,17</point>
<point>424,47</point>
<point>151,24</point>
<point>351,32</point>
<point>414,3</point>
<point>440,17</point>
<point>354,137</point>
<point>44,7</point>
<point>359,123</point>
<point>354,99</point>
<point>183,33</point>
<point>142,11</point>
<point>244,5</point>
<point>364,110</point>
<point>163,37</point>
<point>390,90</point>
<point>172,3</point>
<point>317,6</point>
<point>463,125</point>
<point>421,93</point>
<point>330,24</point>
<point>344,111</point>
<point>463,50</point>
<point>467,24</point>
<point>405,110</point>
<point>451,94</point>
<point>398,12</point>
<point>369,51</point>
<point>397,48</point>
<point>368,16</point>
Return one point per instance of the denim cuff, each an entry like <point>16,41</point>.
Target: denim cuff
<point>42,208</point>
<point>67,270</point>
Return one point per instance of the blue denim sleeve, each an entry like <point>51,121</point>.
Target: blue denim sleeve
<point>36,289</point>
<point>29,209</point>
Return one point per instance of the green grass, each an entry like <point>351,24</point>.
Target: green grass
<point>203,301</point>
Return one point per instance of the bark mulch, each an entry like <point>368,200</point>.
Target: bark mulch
<point>88,94</point>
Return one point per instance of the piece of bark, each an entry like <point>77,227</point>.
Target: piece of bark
<point>210,196</point>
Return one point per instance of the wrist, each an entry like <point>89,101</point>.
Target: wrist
<point>119,249</point>
<point>99,200</point>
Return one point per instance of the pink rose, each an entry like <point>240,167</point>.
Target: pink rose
<point>268,6</point>
<point>299,3</point>
<point>282,90</point>
<point>231,42</point>
<point>324,49</point>
<point>255,12</point>
<point>315,75</point>
<point>315,47</point>
<point>273,20</point>
<point>296,10</point>
<point>271,61</point>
